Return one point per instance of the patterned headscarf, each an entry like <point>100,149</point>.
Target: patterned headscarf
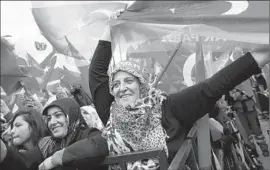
<point>135,70</point>
<point>136,128</point>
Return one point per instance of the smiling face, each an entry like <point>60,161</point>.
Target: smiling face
<point>21,131</point>
<point>126,88</point>
<point>57,122</point>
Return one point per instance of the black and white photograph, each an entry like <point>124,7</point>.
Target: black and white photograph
<point>135,85</point>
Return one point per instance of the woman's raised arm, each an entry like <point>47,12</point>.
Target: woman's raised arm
<point>99,79</point>
<point>192,103</point>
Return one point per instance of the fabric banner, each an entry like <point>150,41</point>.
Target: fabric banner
<point>153,44</point>
<point>81,22</point>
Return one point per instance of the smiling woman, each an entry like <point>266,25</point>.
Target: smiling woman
<point>64,120</point>
<point>70,139</point>
<point>71,142</point>
<point>126,88</point>
<point>57,122</point>
<point>140,117</point>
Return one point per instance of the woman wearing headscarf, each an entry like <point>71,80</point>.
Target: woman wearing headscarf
<point>71,145</point>
<point>139,117</point>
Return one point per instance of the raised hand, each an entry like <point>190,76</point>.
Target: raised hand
<point>116,14</point>
<point>113,16</point>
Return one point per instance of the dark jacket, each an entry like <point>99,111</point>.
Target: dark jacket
<point>85,149</point>
<point>180,110</point>
<point>15,160</point>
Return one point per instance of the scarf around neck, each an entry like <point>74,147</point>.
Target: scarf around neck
<point>138,128</point>
<point>71,108</point>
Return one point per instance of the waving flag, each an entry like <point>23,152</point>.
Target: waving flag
<point>72,50</point>
<point>43,80</point>
<point>230,16</point>
<point>152,30</point>
<point>81,22</point>
<point>81,78</point>
<point>9,65</point>
<point>11,73</point>
<point>33,67</point>
<point>47,60</point>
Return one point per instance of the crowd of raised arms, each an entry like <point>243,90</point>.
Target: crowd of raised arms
<point>124,114</point>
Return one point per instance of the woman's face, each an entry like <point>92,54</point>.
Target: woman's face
<point>126,88</point>
<point>21,131</point>
<point>57,122</point>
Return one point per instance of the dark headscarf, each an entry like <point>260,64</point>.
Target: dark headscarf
<point>77,123</point>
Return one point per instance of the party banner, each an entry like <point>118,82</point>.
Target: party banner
<point>152,45</point>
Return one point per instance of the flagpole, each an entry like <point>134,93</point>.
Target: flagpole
<point>203,129</point>
<point>169,62</point>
